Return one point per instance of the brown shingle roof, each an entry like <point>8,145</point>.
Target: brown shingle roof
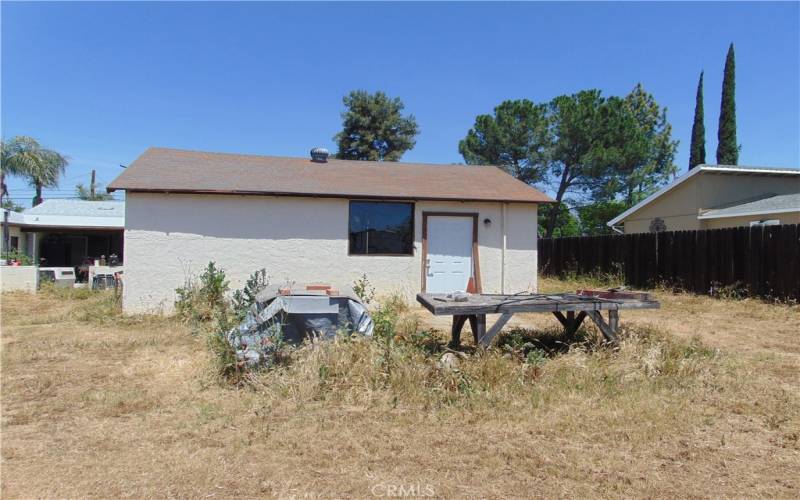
<point>173,170</point>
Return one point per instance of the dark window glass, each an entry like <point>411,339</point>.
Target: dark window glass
<point>15,242</point>
<point>381,228</point>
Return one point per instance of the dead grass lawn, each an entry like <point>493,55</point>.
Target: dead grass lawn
<point>129,408</point>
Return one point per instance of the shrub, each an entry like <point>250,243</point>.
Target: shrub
<point>364,289</point>
<point>737,290</point>
<point>202,300</point>
<point>22,258</point>
<point>206,304</point>
<point>244,299</point>
<point>223,355</point>
<point>387,315</point>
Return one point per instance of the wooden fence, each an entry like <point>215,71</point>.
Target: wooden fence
<point>762,261</point>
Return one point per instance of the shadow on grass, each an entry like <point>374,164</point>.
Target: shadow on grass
<point>547,342</point>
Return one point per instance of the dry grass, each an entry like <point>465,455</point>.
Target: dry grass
<point>700,400</point>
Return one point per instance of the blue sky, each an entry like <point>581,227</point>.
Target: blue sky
<point>100,82</point>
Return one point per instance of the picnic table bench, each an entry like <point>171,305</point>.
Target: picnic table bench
<point>569,308</point>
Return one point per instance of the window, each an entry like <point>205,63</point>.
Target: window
<point>381,228</point>
<point>15,242</point>
<point>767,222</point>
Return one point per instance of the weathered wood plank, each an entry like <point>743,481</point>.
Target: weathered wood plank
<point>486,339</point>
<point>481,304</point>
<point>562,319</point>
<point>609,333</point>
<point>455,332</point>
<point>571,322</point>
<point>478,327</point>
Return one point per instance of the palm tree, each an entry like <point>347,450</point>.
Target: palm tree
<point>25,156</point>
<point>9,164</point>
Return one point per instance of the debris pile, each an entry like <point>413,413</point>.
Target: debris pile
<point>291,315</point>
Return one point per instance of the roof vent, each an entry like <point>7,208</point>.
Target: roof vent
<point>319,155</point>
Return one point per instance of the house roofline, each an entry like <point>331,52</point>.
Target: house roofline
<point>752,212</point>
<point>688,175</point>
<point>354,196</point>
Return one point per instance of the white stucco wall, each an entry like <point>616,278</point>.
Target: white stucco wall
<point>19,278</point>
<point>168,236</point>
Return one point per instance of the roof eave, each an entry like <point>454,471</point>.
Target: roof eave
<point>354,196</point>
<point>750,213</point>
<point>680,180</point>
<point>745,170</point>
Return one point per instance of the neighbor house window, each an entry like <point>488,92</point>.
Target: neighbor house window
<point>15,242</point>
<point>767,222</point>
<point>381,228</point>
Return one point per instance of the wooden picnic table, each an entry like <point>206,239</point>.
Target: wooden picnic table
<point>569,308</point>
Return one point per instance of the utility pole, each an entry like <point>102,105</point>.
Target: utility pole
<point>91,186</point>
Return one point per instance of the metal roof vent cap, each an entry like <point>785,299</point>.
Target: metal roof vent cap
<point>320,155</point>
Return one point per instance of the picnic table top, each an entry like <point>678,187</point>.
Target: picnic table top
<point>486,303</point>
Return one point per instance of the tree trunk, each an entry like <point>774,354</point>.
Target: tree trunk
<point>37,200</point>
<point>3,187</point>
<point>553,217</point>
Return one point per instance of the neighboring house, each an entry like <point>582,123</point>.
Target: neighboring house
<point>65,232</point>
<point>408,227</point>
<point>13,237</point>
<point>718,196</point>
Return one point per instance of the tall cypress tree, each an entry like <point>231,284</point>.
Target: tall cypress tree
<point>727,147</point>
<point>697,151</point>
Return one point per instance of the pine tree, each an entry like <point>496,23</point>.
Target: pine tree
<point>697,151</point>
<point>374,128</point>
<point>727,147</point>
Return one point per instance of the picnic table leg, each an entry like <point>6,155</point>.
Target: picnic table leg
<point>609,329</point>
<point>477,322</point>
<point>571,322</point>
<point>613,321</point>
<point>578,322</point>
<point>485,339</point>
<point>455,332</point>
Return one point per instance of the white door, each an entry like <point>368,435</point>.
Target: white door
<point>449,262</point>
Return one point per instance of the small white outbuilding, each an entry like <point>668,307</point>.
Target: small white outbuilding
<point>408,227</point>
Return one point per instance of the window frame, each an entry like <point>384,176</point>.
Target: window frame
<point>413,251</point>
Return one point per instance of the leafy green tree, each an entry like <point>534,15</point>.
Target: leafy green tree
<point>85,193</point>
<point>593,217</point>
<point>582,156</point>
<point>374,128</point>
<point>516,138</point>
<point>727,147</point>
<point>566,223</point>
<point>583,144</point>
<point>561,142</point>
<point>697,150</point>
<point>25,156</point>
<point>638,144</point>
